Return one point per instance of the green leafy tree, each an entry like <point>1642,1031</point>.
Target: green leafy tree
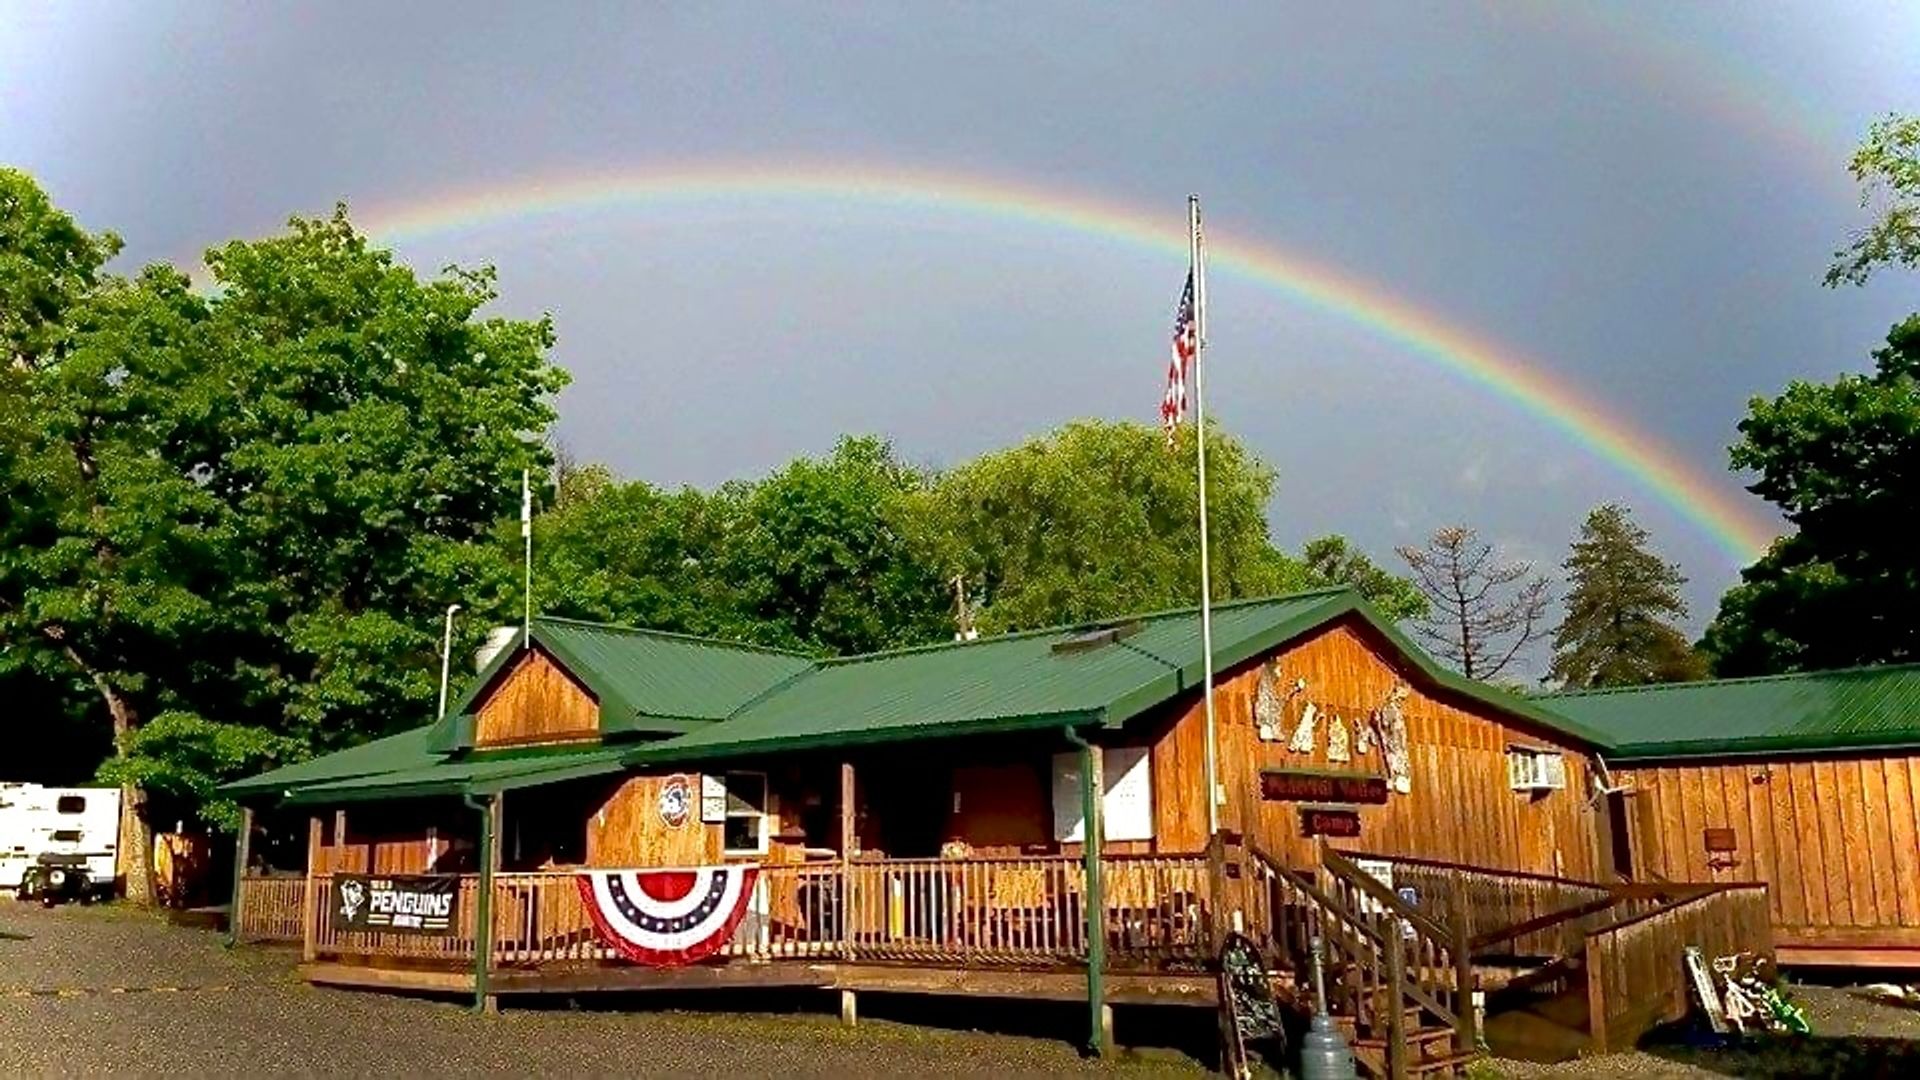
<point>627,552</point>
<point>183,758</point>
<point>1842,461</point>
<point>1331,560</point>
<point>249,507</point>
<point>823,554</point>
<point>1622,601</point>
<point>1100,519</point>
<point>1887,167</point>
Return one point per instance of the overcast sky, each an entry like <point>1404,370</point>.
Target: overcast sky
<point>1637,205</point>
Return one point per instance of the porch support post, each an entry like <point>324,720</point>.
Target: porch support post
<point>340,843</point>
<point>1099,1023</point>
<point>847,842</point>
<point>483,1002</point>
<point>310,908</point>
<point>242,848</point>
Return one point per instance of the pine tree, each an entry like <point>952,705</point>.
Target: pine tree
<point>1621,607</point>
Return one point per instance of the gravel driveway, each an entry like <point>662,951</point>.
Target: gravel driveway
<point>86,991</point>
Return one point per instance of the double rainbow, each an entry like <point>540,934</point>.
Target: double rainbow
<point>1701,498</point>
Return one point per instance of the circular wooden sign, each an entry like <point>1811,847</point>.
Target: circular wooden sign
<point>676,801</point>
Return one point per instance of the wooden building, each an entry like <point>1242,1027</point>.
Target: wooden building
<point>918,820</point>
<point>1809,783</point>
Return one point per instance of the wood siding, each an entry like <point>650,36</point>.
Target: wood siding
<point>627,829</point>
<point>1461,807</point>
<point>1836,838</point>
<point>535,701</point>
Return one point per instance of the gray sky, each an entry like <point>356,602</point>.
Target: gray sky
<point>1637,206</point>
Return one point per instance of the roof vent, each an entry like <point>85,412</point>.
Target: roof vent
<point>1088,640</point>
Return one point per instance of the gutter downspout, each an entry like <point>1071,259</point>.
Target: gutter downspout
<point>1096,905</point>
<point>483,907</point>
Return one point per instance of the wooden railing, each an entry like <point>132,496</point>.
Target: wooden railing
<point>1024,911</point>
<point>1636,978</point>
<point>1385,957</point>
<point>270,908</point>
<point>1554,912</point>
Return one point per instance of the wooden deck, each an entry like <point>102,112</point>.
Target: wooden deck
<point>1064,985</point>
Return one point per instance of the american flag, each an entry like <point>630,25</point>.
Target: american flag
<point>1173,405</point>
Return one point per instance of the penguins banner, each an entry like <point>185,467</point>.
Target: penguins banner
<point>407,904</point>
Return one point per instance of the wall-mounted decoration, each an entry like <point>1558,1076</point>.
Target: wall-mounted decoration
<point>1329,821</point>
<point>1363,733</point>
<point>1393,739</point>
<point>1303,736</point>
<point>1322,786</point>
<point>675,802</point>
<point>1718,840</point>
<point>1337,744</point>
<point>666,918</point>
<point>1268,716</point>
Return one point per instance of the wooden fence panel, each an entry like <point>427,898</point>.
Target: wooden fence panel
<point>1636,977</point>
<point>270,909</point>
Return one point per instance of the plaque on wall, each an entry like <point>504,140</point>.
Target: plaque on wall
<point>1722,840</point>
<point>1329,821</point>
<point>1323,786</point>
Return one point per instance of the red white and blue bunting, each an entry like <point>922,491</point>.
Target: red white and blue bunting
<point>665,918</point>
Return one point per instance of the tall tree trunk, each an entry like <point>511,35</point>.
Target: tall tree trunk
<point>133,857</point>
<point>135,853</point>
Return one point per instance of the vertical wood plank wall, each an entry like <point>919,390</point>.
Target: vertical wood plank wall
<point>1461,807</point>
<point>1835,837</point>
<point>535,701</point>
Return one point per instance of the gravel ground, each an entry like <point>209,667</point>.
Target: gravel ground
<point>242,1012</point>
<point>109,990</point>
<point>1853,1036</point>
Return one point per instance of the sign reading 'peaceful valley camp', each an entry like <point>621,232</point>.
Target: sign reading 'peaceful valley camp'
<point>411,904</point>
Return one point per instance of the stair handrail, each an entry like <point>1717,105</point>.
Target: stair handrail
<point>1345,869</point>
<point>1402,985</point>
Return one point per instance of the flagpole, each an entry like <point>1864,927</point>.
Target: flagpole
<point>526,535</point>
<point>1200,436</point>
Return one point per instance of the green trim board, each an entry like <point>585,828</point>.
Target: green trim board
<point>1852,709</point>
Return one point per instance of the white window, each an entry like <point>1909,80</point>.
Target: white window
<point>1531,768</point>
<point>1126,805</point>
<point>745,829</point>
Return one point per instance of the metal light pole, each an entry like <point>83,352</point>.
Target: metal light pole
<point>446,658</point>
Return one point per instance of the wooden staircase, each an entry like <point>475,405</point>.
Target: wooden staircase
<point>1399,981</point>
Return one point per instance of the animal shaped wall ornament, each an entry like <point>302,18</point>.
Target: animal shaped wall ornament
<point>1337,741</point>
<point>1268,709</point>
<point>1303,736</point>
<point>1393,739</point>
<point>1363,733</point>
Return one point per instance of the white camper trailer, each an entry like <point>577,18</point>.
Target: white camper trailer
<point>37,820</point>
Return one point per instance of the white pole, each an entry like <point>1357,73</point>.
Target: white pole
<point>526,534</point>
<point>446,658</point>
<point>1200,435</point>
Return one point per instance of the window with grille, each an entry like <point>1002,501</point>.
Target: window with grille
<point>746,824</point>
<point>1534,769</point>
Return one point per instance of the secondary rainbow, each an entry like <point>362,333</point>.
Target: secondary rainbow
<point>1503,373</point>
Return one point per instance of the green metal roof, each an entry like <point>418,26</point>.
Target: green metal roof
<point>478,775</point>
<point>646,681</point>
<point>407,750</point>
<point>1854,708</point>
<point>716,699</point>
<point>1019,681</point>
